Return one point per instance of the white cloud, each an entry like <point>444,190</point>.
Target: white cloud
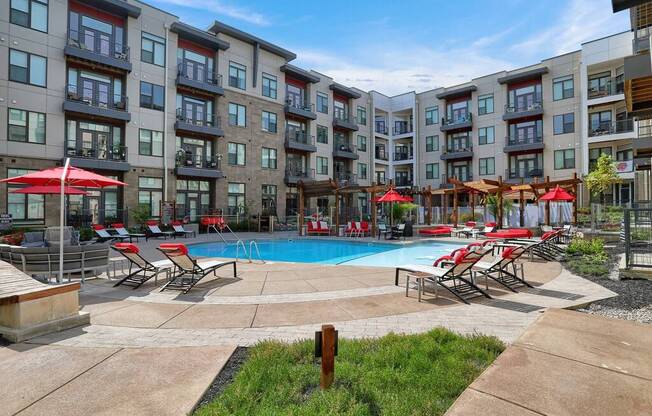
<point>221,8</point>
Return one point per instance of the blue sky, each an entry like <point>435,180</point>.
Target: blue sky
<point>398,46</point>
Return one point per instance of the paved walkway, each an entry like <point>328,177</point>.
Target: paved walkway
<point>567,363</point>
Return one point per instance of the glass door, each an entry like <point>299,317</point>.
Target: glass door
<point>195,111</point>
<point>193,204</point>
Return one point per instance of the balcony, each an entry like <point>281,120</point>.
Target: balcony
<point>345,122</point>
<point>346,179</point>
<point>462,176</point>
<point>402,128</point>
<point>380,179</point>
<point>206,126</point>
<point>96,105</point>
<point>515,111</point>
<point>381,154</point>
<point>104,52</point>
<point>296,174</point>
<point>300,108</point>
<point>99,157</point>
<point>381,128</point>
<point>458,152</point>
<point>641,44</point>
<point>299,140</point>
<point>612,86</point>
<point>518,175</point>
<point>611,130</point>
<point>403,181</point>
<point>345,150</point>
<point>199,79</point>
<point>457,123</point>
<point>403,156</point>
<point>188,164</point>
<point>644,140</point>
<point>521,144</point>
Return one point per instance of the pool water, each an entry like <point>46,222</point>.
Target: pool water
<point>332,252</point>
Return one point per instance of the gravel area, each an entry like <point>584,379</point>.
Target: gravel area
<point>225,376</point>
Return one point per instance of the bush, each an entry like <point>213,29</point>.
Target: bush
<point>467,216</point>
<point>593,246</point>
<point>641,234</point>
<point>592,265</point>
<point>86,233</point>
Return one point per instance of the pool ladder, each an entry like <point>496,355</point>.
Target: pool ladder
<point>252,245</point>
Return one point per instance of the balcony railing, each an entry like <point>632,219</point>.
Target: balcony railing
<point>116,153</point>
<point>198,73</point>
<point>515,141</point>
<point>524,107</point>
<point>402,181</point>
<point>197,121</point>
<point>300,137</point>
<point>640,44</point>
<point>398,156</point>
<point>341,146</point>
<point>381,180</point>
<point>381,154</point>
<point>381,127</point>
<point>93,98</point>
<point>299,172</point>
<point>190,160</point>
<point>463,176</point>
<point>346,178</point>
<point>612,86</point>
<point>303,105</point>
<point>343,117</point>
<point>611,127</point>
<point>524,173</point>
<point>98,45</point>
<point>467,118</point>
<point>468,147</point>
<point>402,129</point>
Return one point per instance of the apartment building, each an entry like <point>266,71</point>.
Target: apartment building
<point>219,120</point>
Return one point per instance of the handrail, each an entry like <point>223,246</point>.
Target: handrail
<point>237,249</point>
<point>253,244</point>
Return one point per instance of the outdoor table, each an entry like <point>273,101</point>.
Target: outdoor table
<point>419,277</point>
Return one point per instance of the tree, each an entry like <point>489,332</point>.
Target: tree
<point>492,205</point>
<point>603,177</point>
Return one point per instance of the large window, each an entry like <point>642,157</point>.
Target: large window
<point>30,13</point>
<point>236,198</point>
<point>432,143</point>
<point>268,201</point>
<point>270,86</point>
<point>485,104</point>
<point>237,154</point>
<point>26,126</point>
<point>565,159</point>
<point>237,115</point>
<point>269,121</point>
<point>27,68</point>
<point>562,88</point>
<point>595,153</point>
<point>193,198</point>
<point>362,170</point>
<point>564,123</point>
<point>362,143</point>
<point>432,170</point>
<point>322,134</point>
<point>322,165</point>
<point>152,49</point>
<point>152,96</point>
<point>268,159</point>
<point>150,194</point>
<point>150,143</point>
<point>24,207</point>
<point>237,76</point>
<point>432,115</point>
<point>487,166</point>
<point>486,135</point>
<point>362,115</point>
<point>322,102</point>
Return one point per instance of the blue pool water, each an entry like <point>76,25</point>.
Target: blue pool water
<point>333,252</point>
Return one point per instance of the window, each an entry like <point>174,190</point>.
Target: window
<point>362,115</point>
<point>486,135</point>
<point>565,159</point>
<point>362,143</point>
<point>235,198</point>
<point>26,126</point>
<point>624,155</point>
<point>270,86</point>
<point>595,153</point>
<point>432,115</point>
<point>237,115</point>
<point>487,166</point>
<point>30,13</point>
<point>564,123</point>
<point>237,76</point>
<point>562,88</point>
<point>152,49</point>
<point>24,207</point>
<point>432,170</point>
<point>322,134</point>
<point>27,68</point>
<point>485,104</point>
<point>268,160</point>
<point>362,170</point>
<point>432,143</point>
<point>150,194</point>
<point>269,121</point>
<point>269,199</point>
<point>237,154</point>
<point>322,165</point>
<point>150,143</point>
<point>322,102</point>
<point>152,96</point>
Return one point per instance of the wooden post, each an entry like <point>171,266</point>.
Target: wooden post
<point>522,208</point>
<point>429,205</point>
<point>374,210</point>
<point>547,211</point>
<point>445,208</point>
<point>327,356</point>
<point>499,202</point>
<point>301,209</point>
<point>575,200</point>
<point>337,213</point>
<point>455,206</point>
<point>472,205</point>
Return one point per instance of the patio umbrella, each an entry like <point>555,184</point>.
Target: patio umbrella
<point>392,196</point>
<point>61,177</point>
<point>557,195</point>
<point>49,190</point>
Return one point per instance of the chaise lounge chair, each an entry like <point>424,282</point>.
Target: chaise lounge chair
<point>153,231</point>
<point>317,227</point>
<point>188,272</point>
<point>498,269</point>
<point>104,236</point>
<point>140,269</point>
<point>122,232</point>
<point>179,230</point>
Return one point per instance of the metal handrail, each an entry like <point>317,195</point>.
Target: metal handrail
<point>237,249</point>
<point>253,244</point>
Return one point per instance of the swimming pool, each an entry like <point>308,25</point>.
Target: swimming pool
<point>333,252</point>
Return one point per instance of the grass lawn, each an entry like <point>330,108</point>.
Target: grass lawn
<point>394,375</point>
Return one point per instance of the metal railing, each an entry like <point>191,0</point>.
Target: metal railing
<point>98,45</point>
<point>190,119</point>
<point>401,181</point>
<point>300,104</point>
<point>640,44</point>
<point>346,118</point>
<point>403,155</point>
<point>520,108</point>
<point>299,172</point>
<point>381,180</point>
<point>343,146</point>
<point>195,72</point>
<point>523,173</point>
<point>382,154</point>
<point>85,217</point>
<point>611,127</point>
<point>518,140</point>
<point>613,86</point>
<point>93,98</point>
<point>114,152</point>
<point>464,177</point>
<point>191,160</point>
<point>467,118</point>
<point>346,178</point>
<point>468,147</point>
<point>300,137</point>
<point>638,236</point>
<point>644,130</point>
<point>402,128</point>
<point>381,127</point>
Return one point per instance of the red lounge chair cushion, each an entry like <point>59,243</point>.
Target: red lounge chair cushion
<point>364,225</point>
<point>127,247</point>
<point>176,222</point>
<point>476,244</point>
<point>151,222</point>
<point>548,235</point>
<point>435,231</point>
<point>458,257</point>
<point>489,224</point>
<point>97,227</point>
<point>174,249</point>
<point>470,223</point>
<point>513,233</point>
<point>118,225</point>
<point>487,242</point>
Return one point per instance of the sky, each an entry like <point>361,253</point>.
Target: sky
<point>399,46</point>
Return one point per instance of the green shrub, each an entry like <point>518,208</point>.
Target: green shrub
<point>594,246</point>
<point>86,233</point>
<point>592,265</point>
<point>641,234</point>
<point>467,216</point>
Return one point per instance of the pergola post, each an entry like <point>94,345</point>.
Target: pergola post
<point>472,205</point>
<point>374,210</point>
<point>337,213</point>
<point>445,208</point>
<point>522,208</point>
<point>547,210</point>
<point>429,205</point>
<point>499,208</point>
<point>301,208</point>
<point>455,206</point>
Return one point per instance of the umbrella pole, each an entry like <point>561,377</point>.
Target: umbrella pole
<point>62,219</point>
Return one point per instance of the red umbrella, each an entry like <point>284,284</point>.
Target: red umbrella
<point>391,196</point>
<point>74,177</point>
<point>49,189</point>
<point>557,194</point>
